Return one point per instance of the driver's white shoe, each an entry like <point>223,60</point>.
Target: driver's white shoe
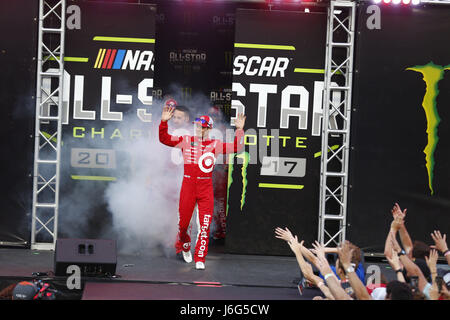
<point>187,256</point>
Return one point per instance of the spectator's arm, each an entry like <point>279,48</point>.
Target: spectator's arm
<point>411,268</point>
<point>403,233</point>
<point>325,290</point>
<point>394,261</point>
<point>286,235</point>
<point>396,224</point>
<point>166,138</point>
<point>345,256</point>
<point>388,243</point>
<point>406,240</point>
<point>332,282</point>
<point>306,268</point>
<point>432,262</point>
<point>440,244</point>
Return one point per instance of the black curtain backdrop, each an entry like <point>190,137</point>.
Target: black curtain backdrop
<point>18,41</point>
<point>389,126</point>
<point>90,157</point>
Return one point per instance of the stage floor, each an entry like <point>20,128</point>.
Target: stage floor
<point>155,275</point>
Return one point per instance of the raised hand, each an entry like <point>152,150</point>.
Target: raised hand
<point>321,261</point>
<point>283,234</point>
<point>439,241</point>
<point>239,122</point>
<point>397,211</point>
<point>319,250</point>
<point>167,113</point>
<point>394,260</point>
<point>397,223</point>
<point>345,254</point>
<point>294,245</point>
<point>432,261</point>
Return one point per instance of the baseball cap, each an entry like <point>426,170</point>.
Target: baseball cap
<point>25,291</point>
<point>378,293</point>
<point>206,121</point>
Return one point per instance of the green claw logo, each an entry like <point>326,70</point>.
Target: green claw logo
<point>432,74</point>
<point>245,156</point>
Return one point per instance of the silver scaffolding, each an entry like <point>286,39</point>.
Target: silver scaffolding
<point>47,148</point>
<point>336,122</point>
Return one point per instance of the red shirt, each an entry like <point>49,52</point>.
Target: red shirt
<point>199,155</point>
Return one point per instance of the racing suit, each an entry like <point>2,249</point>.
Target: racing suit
<point>199,157</point>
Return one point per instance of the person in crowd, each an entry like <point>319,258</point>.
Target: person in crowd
<point>439,289</point>
<point>181,117</point>
<point>285,234</point>
<point>410,282</point>
<point>440,244</point>
<point>416,251</point>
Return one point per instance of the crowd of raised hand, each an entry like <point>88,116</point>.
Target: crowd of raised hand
<point>415,264</point>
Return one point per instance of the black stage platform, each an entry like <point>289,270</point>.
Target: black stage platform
<point>156,276</point>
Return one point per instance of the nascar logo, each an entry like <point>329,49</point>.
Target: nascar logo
<point>120,59</point>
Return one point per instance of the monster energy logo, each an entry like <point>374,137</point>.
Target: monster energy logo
<point>432,74</point>
<point>245,156</point>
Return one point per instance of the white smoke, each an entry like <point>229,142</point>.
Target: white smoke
<point>143,201</point>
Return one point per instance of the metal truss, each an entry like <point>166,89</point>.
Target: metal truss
<point>336,122</point>
<point>47,149</point>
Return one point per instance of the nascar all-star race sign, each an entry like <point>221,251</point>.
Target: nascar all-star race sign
<point>108,80</point>
<point>278,76</point>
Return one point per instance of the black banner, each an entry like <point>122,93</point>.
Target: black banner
<point>17,92</point>
<point>194,56</point>
<point>108,102</point>
<point>277,81</point>
<point>400,127</point>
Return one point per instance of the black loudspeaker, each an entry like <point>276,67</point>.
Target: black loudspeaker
<point>94,257</point>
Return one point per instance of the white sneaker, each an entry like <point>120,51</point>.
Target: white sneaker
<point>199,265</point>
<point>187,256</point>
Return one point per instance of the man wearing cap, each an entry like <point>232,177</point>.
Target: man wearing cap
<point>199,156</point>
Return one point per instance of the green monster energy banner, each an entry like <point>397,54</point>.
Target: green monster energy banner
<point>401,123</point>
<point>107,99</point>
<point>277,82</point>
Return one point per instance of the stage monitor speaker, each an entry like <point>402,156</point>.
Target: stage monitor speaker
<point>94,257</point>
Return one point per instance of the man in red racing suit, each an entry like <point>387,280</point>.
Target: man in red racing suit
<point>199,156</point>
